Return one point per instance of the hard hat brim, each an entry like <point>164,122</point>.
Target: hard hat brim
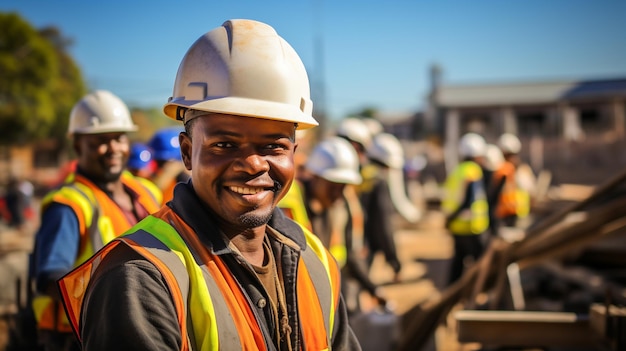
<point>245,107</point>
<point>341,176</point>
<point>105,129</point>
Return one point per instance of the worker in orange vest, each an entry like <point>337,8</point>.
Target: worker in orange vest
<point>514,201</point>
<point>96,203</point>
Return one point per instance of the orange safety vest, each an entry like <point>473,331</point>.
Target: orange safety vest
<point>100,220</point>
<point>507,201</point>
<point>222,317</point>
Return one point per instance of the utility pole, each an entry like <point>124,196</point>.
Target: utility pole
<point>318,76</point>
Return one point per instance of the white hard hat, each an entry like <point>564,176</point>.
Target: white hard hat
<point>243,68</point>
<point>100,112</point>
<point>335,160</point>
<point>472,145</point>
<point>374,126</point>
<point>509,143</point>
<point>493,157</point>
<point>356,130</point>
<point>386,148</point>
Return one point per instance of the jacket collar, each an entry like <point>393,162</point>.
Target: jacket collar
<point>192,210</point>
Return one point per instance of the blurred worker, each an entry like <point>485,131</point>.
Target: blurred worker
<point>495,173</point>
<point>319,202</point>
<point>358,134</point>
<point>220,267</point>
<point>170,169</point>
<point>142,165</point>
<point>374,126</point>
<point>140,160</point>
<point>387,153</point>
<point>97,202</point>
<point>515,196</point>
<point>16,202</point>
<point>465,204</point>
<point>386,197</point>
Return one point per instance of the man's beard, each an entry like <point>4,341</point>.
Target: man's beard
<point>107,177</point>
<point>253,220</point>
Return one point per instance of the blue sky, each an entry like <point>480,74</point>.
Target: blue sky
<point>374,53</point>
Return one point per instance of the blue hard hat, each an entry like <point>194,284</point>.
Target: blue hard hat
<point>140,156</point>
<point>164,144</point>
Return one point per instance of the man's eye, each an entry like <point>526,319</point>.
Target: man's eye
<point>277,146</point>
<point>224,144</point>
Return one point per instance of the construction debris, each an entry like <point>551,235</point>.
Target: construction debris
<point>557,246</point>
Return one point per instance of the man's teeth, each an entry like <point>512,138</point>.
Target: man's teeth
<point>245,191</point>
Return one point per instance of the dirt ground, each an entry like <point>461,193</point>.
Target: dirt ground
<point>424,250</point>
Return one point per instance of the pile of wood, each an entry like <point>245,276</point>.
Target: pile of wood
<point>572,236</point>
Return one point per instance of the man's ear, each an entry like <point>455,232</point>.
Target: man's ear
<point>186,148</point>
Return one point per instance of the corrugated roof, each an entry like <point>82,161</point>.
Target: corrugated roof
<point>528,93</point>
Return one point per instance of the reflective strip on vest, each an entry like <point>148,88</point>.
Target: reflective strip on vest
<point>154,190</point>
<point>222,318</point>
<point>292,204</point>
<point>475,219</point>
<point>316,254</point>
<point>523,203</point>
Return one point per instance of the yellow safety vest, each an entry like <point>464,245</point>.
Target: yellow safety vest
<point>475,218</point>
<point>292,205</point>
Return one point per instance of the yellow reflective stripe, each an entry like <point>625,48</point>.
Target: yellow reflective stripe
<point>152,188</point>
<point>340,253</point>
<point>452,196</point>
<point>87,207</point>
<point>316,245</point>
<point>369,173</point>
<point>522,198</point>
<point>294,201</point>
<point>40,304</point>
<point>203,313</point>
<point>82,196</point>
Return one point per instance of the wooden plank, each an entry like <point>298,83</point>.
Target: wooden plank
<point>610,327</point>
<point>525,329</point>
<point>599,192</point>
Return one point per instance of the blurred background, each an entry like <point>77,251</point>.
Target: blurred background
<point>552,72</point>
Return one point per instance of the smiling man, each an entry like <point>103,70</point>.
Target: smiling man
<point>96,203</point>
<point>220,267</point>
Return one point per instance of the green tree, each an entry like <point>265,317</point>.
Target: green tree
<point>365,112</point>
<point>40,82</point>
<point>149,121</point>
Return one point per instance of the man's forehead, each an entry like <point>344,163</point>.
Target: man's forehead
<point>216,120</point>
